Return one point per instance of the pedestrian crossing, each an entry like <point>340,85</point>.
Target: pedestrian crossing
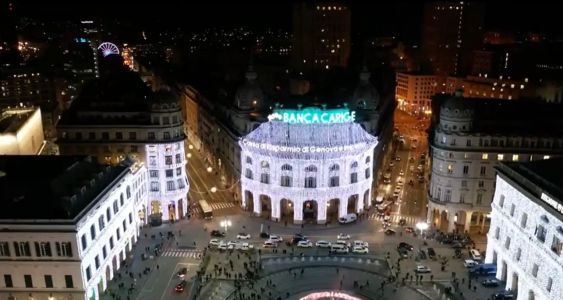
<point>394,219</point>
<point>321,259</point>
<point>182,253</point>
<point>214,206</point>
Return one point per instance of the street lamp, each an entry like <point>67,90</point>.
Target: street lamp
<point>191,146</point>
<point>421,226</point>
<point>209,169</point>
<point>189,155</point>
<point>213,189</point>
<point>226,224</point>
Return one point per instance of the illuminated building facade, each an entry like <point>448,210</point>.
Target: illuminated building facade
<point>125,119</point>
<point>21,131</point>
<point>66,237</point>
<point>307,165</point>
<point>525,240</point>
<point>470,137</point>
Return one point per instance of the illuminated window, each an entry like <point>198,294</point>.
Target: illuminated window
<point>450,169</point>
<point>500,156</point>
<point>515,157</point>
<point>546,157</point>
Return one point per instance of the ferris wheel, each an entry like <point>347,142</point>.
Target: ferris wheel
<point>108,48</point>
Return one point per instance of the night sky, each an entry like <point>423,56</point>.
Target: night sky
<point>368,17</point>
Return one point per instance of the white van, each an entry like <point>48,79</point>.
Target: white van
<point>349,218</point>
<point>338,248</point>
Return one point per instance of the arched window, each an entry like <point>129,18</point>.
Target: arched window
<point>128,192</point>
<point>264,164</point>
<point>310,182</point>
<point>354,177</point>
<point>334,181</point>
<point>334,167</point>
<point>367,160</point>
<point>248,160</point>
<point>286,181</point>
<point>286,167</point>
<point>354,165</point>
<point>248,173</point>
<point>311,168</point>
<point>367,173</point>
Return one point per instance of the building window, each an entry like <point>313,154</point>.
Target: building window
<point>68,282</point>
<point>368,173</point>
<point>151,136</point>
<point>546,157</point>
<point>286,181</point>
<point>97,262</point>
<point>124,223</point>
<point>118,234</point>
<point>92,232</point>
<point>450,169</point>
<point>130,218</point>
<point>479,199</point>
<point>115,207</point>
<point>84,243</point>
<point>91,135</point>
<point>483,170</point>
<point>485,156</point>
<point>311,168</point>
<point>169,173</point>
<point>132,136</point>
<point>28,281</point>
<point>497,233</point>
<point>101,223</point>
<point>119,135</point>
<point>265,178</point>
<point>535,270</point>
<point>8,281</point>
<point>367,160</point>
<point>178,171</point>
<point>515,157</point>
<point>248,173</point>
<point>468,142</point>
<point>43,249</point>
<point>166,135</point>
<point>63,249</point>
<point>310,182</point>
<point>286,167</point>
<point>104,252</point>
<point>501,201</point>
<point>481,184</point>
<point>556,245</point>
<point>180,183</point>
<point>448,196</point>
<point>354,165</point>
<point>154,186</point>
<point>524,220</point>
<point>549,284</point>
<point>153,174</point>
<point>507,243</point>
<point>541,233</point>
<point>152,161</point>
<point>512,208</point>
<point>354,177</point>
<point>465,170</point>
<point>518,254</point>
<point>249,160</point>
<point>170,186</point>
<point>168,160</point>
<point>4,249</point>
<point>461,198</point>
<point>111,243</point>
<point>464,183</point>
<point>500,157</point>
<point>88,274</point>
<point>334,181</point>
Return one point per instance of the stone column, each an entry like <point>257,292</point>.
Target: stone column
<point>483,223</point>
<point>359,204</point>
<point>467,220</point>
<point>343,207</point>
<point>489,256</point>
<point>243,201</point>
<point>298,212</point>
<point>451,221</point>
<point>257,208</point>
<point>276,206</point>
<point>321,211</point>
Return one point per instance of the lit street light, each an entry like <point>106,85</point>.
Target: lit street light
<point>209,169</point>
<point>421,226</point>
<point>213,189</point>
<point>226,224</point>
<point>189,155</point>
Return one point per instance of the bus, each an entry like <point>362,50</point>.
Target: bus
<point>206,209</point>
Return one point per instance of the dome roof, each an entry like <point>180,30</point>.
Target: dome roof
<point>365,95</point>
<point>249,95</point>
<point>456,106</point>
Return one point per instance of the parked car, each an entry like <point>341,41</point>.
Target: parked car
<point>505,295</point>
<point>431,253</point>
<point>342,242</point>
<point>323,244</point>
<point>338,248</point>
<point>214,242</point>
<point>406,246</point>
<point>349,218</point>
<point>243,236</point>
<point>232,244</point>
<point>360,249</point>
<point>305,244</point>
<point>245,247</point>
<point>422,269</point>
<point>276,238</point>
<point>342,236</point>
<point>403,253</point>
<point>222,245</point>
<point>469,263</point>
<point>217,233</point>
<point>493,282</point>
<point>181,286</point>
<point>390,232</point>
<point>270,244</point>
<point>360,244</point>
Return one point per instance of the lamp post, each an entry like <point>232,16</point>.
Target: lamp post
<point>421,226</point>
<point>226,224</point>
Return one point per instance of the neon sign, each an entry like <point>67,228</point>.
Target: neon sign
<point>313,115</point>
<point>303,149</point>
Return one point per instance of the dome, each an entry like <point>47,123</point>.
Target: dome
<point>456,106</point>
<point>249,95</point>
<point>365,95</point>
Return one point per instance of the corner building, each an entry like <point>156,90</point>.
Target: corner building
<point>300,168</point>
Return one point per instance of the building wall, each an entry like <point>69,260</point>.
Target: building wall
<point>414,92</point>
<point>28,139</point>
<point>524,261</point>
<point>124,200</point>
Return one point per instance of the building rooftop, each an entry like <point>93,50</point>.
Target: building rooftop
<point>51,188</point>
<point>538,177</point>
<point>12,120</point>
